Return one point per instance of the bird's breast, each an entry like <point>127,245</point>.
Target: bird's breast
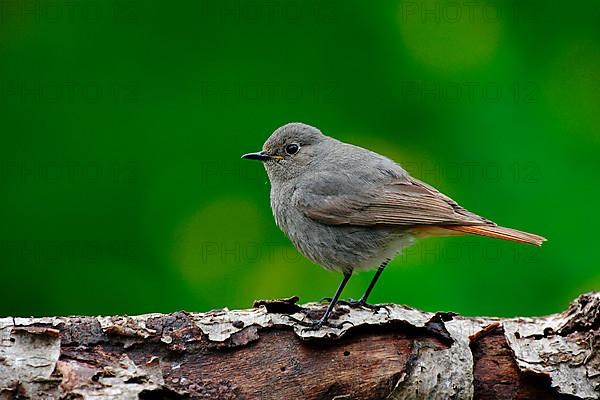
<point>335,247</point>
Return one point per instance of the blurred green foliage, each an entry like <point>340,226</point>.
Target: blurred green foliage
<point>123,122</point>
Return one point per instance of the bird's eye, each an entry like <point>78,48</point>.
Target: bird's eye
<point>292,148</point>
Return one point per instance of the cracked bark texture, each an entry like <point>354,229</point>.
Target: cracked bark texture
<point>394,353</point>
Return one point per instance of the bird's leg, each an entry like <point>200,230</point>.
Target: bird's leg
<point>365,296</point>
<point>363,300</point>
<point>315,325</point>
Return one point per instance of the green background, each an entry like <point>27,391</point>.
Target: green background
<point>122,188</point>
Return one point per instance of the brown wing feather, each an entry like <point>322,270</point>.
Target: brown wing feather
<point>401,202</point>
<point>411,203</point>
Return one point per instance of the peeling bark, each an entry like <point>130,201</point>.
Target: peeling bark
<point>394,353</point>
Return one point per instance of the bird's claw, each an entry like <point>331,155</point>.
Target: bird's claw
<point>359,304</point>
<point>349,302</point>
<point>315,325</point>
<point>373,307</point>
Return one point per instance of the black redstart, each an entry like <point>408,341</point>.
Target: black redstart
<point>347,208</point>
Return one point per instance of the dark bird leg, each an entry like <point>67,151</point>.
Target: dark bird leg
<point>363,300</point>
<point>315,325</point>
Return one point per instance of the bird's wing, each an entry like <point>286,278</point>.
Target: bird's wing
<point>401,201</point>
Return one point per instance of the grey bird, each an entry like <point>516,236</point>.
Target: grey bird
<point>347,208</point>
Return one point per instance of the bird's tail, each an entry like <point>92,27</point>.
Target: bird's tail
<point>500,232</point>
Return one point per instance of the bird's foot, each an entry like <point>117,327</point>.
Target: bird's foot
<point>315,325</point>
<point>363,304</point>
<point>349,302</point>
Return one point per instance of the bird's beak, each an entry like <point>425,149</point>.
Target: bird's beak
<point>261,155</point>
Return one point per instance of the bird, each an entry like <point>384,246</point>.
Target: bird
<point>349,209</point>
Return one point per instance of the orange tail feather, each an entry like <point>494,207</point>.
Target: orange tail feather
<point>501,232</point>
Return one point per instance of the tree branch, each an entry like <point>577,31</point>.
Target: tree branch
<point>393,353</point>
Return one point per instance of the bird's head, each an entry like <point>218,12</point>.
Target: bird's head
<point>290,151</point>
